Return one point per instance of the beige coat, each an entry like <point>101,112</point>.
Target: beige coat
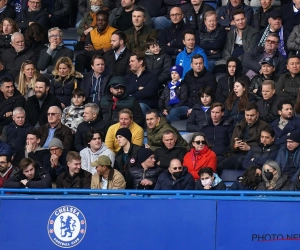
<point>115,180</point>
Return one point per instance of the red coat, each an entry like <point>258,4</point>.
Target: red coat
<point>207,158</point>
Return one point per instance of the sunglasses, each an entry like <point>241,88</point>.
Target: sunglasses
<point>52,114</point>
<point>200,142</point>
<point>179,168</point>
<point>271,42</point>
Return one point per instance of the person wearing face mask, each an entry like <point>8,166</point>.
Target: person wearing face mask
<point>273,179</point>
<point>209,180</point>
<point>176,177</point>
<point>249,180</point>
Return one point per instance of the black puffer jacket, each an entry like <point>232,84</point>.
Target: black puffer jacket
<point>288,86</point>
<point>138,174</point>
<point>257,81</point>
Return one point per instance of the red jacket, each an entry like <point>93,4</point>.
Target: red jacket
<point>207,158</point>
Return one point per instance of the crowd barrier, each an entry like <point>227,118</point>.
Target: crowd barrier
<point>131,219</point>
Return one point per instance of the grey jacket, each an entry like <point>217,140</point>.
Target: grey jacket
<point>293,42</point>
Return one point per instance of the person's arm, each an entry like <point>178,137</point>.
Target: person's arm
<point>68,139</point>
<point>191,125</point>
<point>86,181</point>
<point>84,163</point>
<point>212,163</point>
<point>171,49</point>
<point>59,183</point>
<point>45,182</point>
<point>248,162</point>
<point>165,75</point>
<point>293,42</point>
<point>249,14</point>
<point>90,53</point>
<point>119,182</point>
<point>78,141</point>
<point>138,116</point>
<point>223,17</point>
<point>190,183</point>
<point>149,90</point>
<point>12,182</point>
<point>44,59</point>
<point>262,160</point>
<point>250,61</point>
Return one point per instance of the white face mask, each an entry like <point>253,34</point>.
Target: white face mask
<point>206,182</point>
<point>95,8</point>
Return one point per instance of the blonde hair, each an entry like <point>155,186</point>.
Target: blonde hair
<point>21,80</point>
<point>96,1</point>
<point>67,61</point>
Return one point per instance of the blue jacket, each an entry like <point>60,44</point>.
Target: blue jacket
<point>5,149</point>
<point>184,59</point>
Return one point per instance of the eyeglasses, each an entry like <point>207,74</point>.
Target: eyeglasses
<point>175,15</point>
<point>54,149</point>
<point>52,114</point>
<point>55,36</point>
<point>271,41</point>
<point>3,162</point>
<point>200,142</point>
<point>179,168</point>
<point>37,3</point>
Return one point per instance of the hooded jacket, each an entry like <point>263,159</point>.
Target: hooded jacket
<point>217,184</point>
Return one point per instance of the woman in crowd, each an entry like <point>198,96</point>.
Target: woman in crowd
<point>26,80</point>
<point>249,181</point>
<point>209,180</point>
<point>199,155</point>
<point>65,79</point>
<point>7,28</point>
<point>273,180</point>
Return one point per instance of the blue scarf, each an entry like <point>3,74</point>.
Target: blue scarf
<point>173,97</point>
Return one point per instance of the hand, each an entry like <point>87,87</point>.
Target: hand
<point>29,147</point>
<point>54,160</point>
<point>147,145</point>
<point>232,23</point>
<point>222,18</point>
<point>158,163</point>
<point>62,105</point>
<point>179,50</point>
<point>165,112</point>
<point>207,187</point>
<point>227,28</point>
<point>140,88</point>
<point>168,44</point>
<point>53,45</point>
<point>244,146</point>
<point>213,52</point>
<point>87,31</point>
<point>189,112</point>
<point>89,47</point>
<point>254,91</point>
<point>24,182</point>
<point>8,114</point>
<point>50,15</point>
<point>237,143</point>
<point>146,182</point>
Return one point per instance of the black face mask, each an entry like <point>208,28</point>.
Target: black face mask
<point>258,179</point>
<point>269,175</point>
<point>177,175</point>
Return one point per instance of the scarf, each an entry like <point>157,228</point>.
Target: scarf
<point>197,155</point>
<point>173,96</point>
<point>115,103</point>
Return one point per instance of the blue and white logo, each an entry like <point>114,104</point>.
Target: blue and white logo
<point>66,226</point>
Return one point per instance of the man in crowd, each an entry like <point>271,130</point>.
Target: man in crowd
<point>260,18</point>
<point>6,169</point>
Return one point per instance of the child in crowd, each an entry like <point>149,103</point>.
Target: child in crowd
<point>72,115</point>
<point>173,101</point>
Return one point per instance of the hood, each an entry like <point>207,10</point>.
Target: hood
<point>100,150</point>
<point>216,181</point>
<point>114,80</point>
<point>239,67</point>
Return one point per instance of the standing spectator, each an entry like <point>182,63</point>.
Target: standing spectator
<point>7,170</point>
<point>209,180</point>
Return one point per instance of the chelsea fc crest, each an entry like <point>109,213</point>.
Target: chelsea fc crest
<point>66,226</point>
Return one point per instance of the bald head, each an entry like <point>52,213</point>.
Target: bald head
<point>176,15</point>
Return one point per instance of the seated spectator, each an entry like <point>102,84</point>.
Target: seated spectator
<point>95,148</point>
<point>246,135</point>
<point>125,121</point>
<point>156,126</point>
<point>209,180</point>
<point>251,59</point>
<point>267,106</point>
<point>5,149</point>
<point>288,157</point>
<point>184,6</point>
<point>238,100</point>
<point>287,85</point>
<point>37,105</point>
<point>185,57</point>
<point>97,42</point>
<point>121,17</point>
<point>273,179</point>
<point>127,155</point>
<point>10,98</point>
<point>116,99</point>
<point>266,150</point>
<point>170,150</point>
<point>6,169</point>
<point>72,115</point>
<point>286,123</point>
<point>91,119</point>
<point>199,155</point>
<point>267,72</point>
<point>170,39</point>
<point>158,62</point>
<point>32,150</point>
<point>59,12</point>
<point>225,14</point>
<point>33,14</point>
<point>141,83</point>
<point>7,28</point>
<point>56,49</point>
<point>291,16</point>
<point>7,10</point>
<point>260,18</point>
<point>75,176</point>
<point>293,41</point>
<point>176,177</point>
<point>54,128</point>
<point>26,80</point>
<point>225,84</point>
<point>15,56</point>
<point>200,114</point>
<point>173,101</point>
<point>249,181</point>
<point>144,174</point>
<point>15,133</point>
<point>106,177</point>
<point>117,58</point>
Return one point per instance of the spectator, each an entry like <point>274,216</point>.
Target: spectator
<point>7,10</point>
<point>141,83</point>
<point>209,180</point>
<point>10,98</point>
<point>75,176</point>
<point>106,177</point>
<point>91,119</point>
<point>266,150</point>
<point>116,99</point>
<point>59,12</point>
<point>116,59</point>
<point>249,181</point>
<point>260,18</point>
<point>6,169</point>
<point>26,80</point>
<point>273,179</point>
<point>54,128</point>
<point>37,105</point>
<point>291,16</point>
<point>199,155</point>
<point>31,175</point>
<point>7,28</point>
<point>267,73</point>
<point>14,134</point>
<point>56,49</point>
<point>15,56</point>
<point>33,14</point>
<point>183,5</point>
<point>156,126</point>
<point>176,177</point>
<point>288,84</point>
<point>293,42</point>
<point>286,123</point>
<point>185,57</point>
<point>173,100</point>
<point>267,106</point>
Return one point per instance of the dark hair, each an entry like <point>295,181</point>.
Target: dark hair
<point>218,104</point>
<point>283,102</point>
<point>274,35</point>
<point>269,130</point>
<point>97,57</point>
<point>150,111</point>
<point>72,155</point>
<point>249,177</point>
<point>25,162</point>
<point>268,82</point>
<point>193,138</point>
<point>35,132</point>
<point>208,91</point>
<point>43,79</point>
<point>206,170</point>
<point>190,32</point>
<point>90,134</point>
<point>121,34</point>
<point>291,57</point>
<point>250,106</point>
<point>5,79</point>
<point>151,41</point>
<point>141,9</point>
<point>238,12</point>
<point>35,32</point>
<point>140,57</point>
<point>102,12</point>
<point>197,56</point>
<point>78,92</point>
<point>8,158</point>
<point>168,132</point>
